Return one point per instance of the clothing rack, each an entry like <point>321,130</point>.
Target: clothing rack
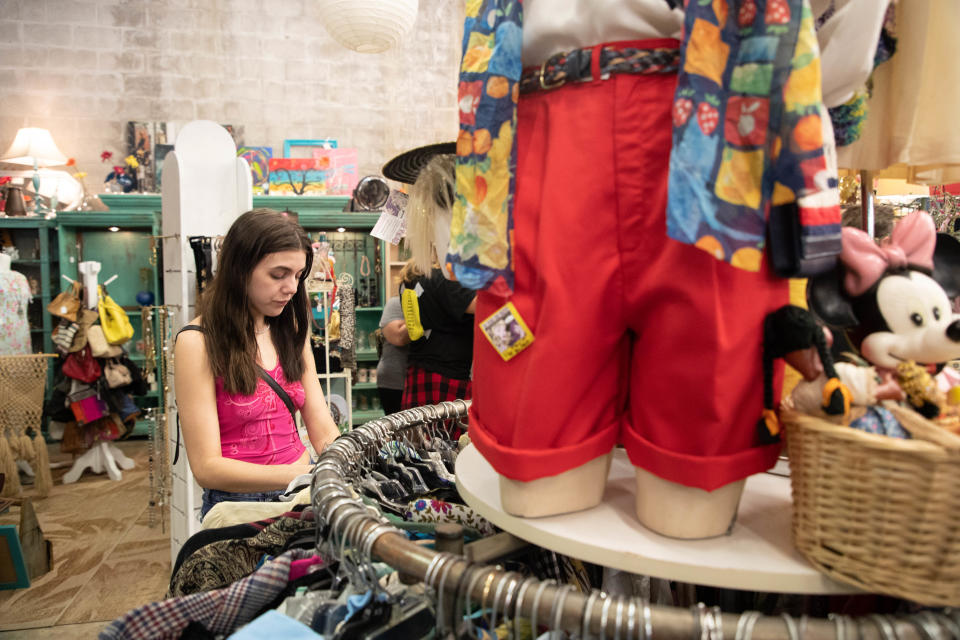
<point>509,595</point>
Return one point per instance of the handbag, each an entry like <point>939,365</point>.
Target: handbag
<point>64,335</point>
<point>99,345</point>
<point>85,319</point>
<point>67,303</point>
<point>88,408</point>
<point>116,325</point>
<point>116,374</point>
<point>82,366</point>
<point>138,386</point>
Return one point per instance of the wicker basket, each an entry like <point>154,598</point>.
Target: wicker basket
<point>880,513</point>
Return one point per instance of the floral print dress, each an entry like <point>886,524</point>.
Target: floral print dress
<point>14,330</point>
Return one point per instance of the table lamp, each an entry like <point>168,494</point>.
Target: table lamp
<point>34,146</point>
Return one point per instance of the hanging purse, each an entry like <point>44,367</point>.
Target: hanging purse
<point>82,366</point>
<point>116,325</point>
<point>64,335</point>
<point>116,374</point>
<point>99,345</point>
<point>87,406</point>
<point>67,303</point>
<point>86,318</point>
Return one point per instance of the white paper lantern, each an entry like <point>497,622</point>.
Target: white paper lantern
<point>368,26</point>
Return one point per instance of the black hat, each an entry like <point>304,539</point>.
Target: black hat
<point>407,166</point>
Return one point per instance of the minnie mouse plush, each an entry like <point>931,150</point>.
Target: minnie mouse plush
<point>893,301</point>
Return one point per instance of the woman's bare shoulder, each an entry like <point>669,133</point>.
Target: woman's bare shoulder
<point>191,338</point>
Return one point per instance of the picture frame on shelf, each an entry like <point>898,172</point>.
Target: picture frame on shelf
<point>303,148</point>
<point>259,160</point>
<point>344,174</point>
<point>140,141</point>
<point>299,176</point>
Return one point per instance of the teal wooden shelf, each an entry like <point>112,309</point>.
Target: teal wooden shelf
<point>141,428</point>
<point>26,222</point>
<point>364,385</point>
<point>361,417</point>
<point>105,219</point>
<point>367,354</point>
<point>380,309</point>
<point>129,203</point>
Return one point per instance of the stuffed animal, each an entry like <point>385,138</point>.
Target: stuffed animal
<point>792,333</point>
<point>893,301</point>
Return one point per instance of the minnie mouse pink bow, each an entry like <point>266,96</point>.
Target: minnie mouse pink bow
<point>912,243</point>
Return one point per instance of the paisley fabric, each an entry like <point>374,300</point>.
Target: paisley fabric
<point>218,564</point>
<point>428,510</point>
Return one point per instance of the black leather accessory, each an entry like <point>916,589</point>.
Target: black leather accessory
<point>203,257</point>
<point>280,392</point>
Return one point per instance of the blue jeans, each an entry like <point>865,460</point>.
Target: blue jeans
<point>213,496</point>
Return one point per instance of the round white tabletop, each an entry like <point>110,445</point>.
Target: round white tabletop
<point>757,555</point>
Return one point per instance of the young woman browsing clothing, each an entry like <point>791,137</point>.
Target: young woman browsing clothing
<point>240,436</point>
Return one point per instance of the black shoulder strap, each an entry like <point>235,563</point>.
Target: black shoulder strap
<point>189,327</point>
<point>280,392</point>
<point>263,374</point>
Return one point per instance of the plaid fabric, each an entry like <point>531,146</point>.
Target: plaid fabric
<point>221,611</point>
<point>424,387</point>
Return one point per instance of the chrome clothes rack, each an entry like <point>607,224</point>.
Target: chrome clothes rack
<point>509,595</point>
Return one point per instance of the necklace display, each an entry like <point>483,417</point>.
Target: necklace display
<point>149,344</point>
<point>157,460</point>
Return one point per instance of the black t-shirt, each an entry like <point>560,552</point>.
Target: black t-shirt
<point>447,344</point>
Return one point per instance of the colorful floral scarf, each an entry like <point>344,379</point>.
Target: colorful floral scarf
<point>751,139</point>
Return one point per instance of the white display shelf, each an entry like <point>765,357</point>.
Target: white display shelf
<point>757,555</point>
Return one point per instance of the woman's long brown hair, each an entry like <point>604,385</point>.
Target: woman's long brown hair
<point>229,331</point>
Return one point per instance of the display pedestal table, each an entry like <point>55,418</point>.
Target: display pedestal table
<point>101,457</point>
<point>757,555</point>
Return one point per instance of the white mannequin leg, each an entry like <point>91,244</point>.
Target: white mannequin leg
<point>678,511</point>
<point>573,490</point>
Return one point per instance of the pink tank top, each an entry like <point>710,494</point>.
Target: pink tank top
<point>258,428</point>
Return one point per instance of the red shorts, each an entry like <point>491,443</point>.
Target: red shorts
<point>639,340</point>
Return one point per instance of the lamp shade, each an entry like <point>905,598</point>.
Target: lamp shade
<point>33,145</point>
<point>368,26</point>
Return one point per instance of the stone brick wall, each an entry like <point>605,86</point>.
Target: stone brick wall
<point>83,68</point>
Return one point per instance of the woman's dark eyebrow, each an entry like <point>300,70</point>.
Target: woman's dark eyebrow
<point>284,268</point>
